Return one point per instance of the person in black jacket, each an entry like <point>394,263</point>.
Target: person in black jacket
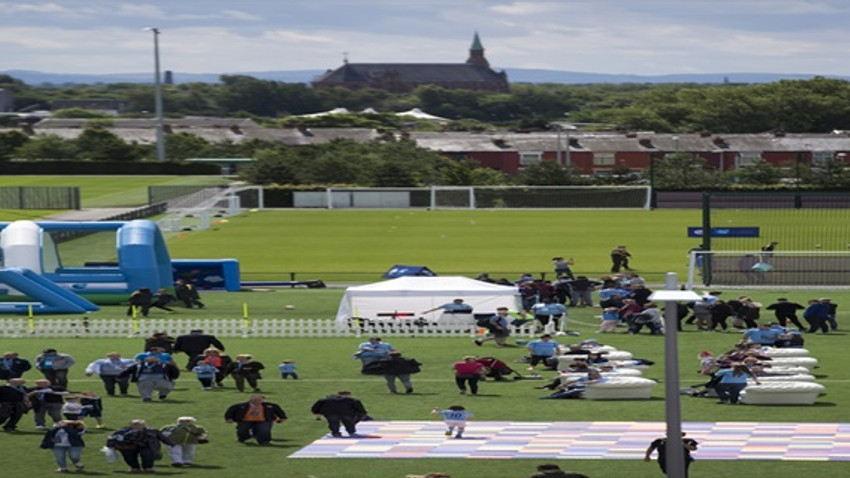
<point>195,343</point>
<point>394,367</point>
<point>12,366</point>
<point>187,294</point>
<point>138,443</point>
<point>140,300</point>
<point>160,340</point>
<point>255,418</point>
<point>340,409</point>
<point>581,291</point>
<point>785,311</point>
<point>245,369</point>
<point>65,440</point>
<point>13,403</point>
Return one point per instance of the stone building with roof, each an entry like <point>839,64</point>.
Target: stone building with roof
<point>474,74</point>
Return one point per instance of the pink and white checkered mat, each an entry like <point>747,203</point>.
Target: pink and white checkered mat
<point>586,440</point>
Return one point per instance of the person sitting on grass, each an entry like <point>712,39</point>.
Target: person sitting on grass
<point>574,388</point>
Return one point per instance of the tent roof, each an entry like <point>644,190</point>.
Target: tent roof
<point>418,285</point>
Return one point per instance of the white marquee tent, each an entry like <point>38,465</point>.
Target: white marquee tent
<point>410,296</point>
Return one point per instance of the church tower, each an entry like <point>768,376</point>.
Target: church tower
<point>476,53</point>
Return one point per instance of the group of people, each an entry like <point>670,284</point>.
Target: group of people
<point>142,300</point>
<point>711,313</point>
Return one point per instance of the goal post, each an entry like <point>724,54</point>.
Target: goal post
<point>786,269</point>
<point>478,197</point>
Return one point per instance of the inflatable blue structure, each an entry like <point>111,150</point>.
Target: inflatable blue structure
<point>29,252</point>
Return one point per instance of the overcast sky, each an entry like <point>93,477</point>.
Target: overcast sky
<point>645,37</point>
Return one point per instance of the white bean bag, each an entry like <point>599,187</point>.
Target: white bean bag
<point>618,388</point>
<point>808,362</point>
<point>565,360</point>
<point>785,352</point>
<point>620,372</point>
<point>769,371</point>
<point>782,393</point>
<point>800,377</point>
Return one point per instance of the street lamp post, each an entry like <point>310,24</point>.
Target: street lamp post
<point>558,150</point>
<point>160,128</point>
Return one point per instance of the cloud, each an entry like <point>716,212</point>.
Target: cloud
<point>239,15</point>
<point>292,36</point>
<point>524,8</point>
<point>144,10</point>
<point>49,8</point>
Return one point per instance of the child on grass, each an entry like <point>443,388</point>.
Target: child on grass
<point>92,407</point>
<point>72,409</point>
<point>454,417</point>
<point>205,372</point>
<point>287,369</point>
<point>610,320</point>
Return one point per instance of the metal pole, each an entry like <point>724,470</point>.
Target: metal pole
<point>569,159</point>
<point>558,150</point>
<point>160,133</point>
<point>653,198</point>
<point>675,452</point>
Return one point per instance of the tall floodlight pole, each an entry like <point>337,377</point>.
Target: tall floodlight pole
<point>671,296</point>
<point>160,133</point>
<point>558,152</point>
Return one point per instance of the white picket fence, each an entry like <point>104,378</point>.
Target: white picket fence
<point>117,328</point>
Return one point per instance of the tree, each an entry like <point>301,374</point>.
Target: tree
<point>182,146</point>
<point>833,174</point>
<point>548,173</point>
<point>9,142</point>
<point>98,144</point>
<point>760,173</point>
<point>272,166</point>
<point>389,174</point>
<point>685,171</point>
<point>48,146</point>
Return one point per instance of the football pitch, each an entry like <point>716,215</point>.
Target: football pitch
<point>357,246</point>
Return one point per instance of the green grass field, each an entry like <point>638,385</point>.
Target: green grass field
<point>343,246</point>
<point>111,191</point>
<point>325,366</point>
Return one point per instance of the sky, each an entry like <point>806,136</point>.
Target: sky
<point>641,37</point>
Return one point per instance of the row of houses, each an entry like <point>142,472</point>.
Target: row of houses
<point>590,152</point>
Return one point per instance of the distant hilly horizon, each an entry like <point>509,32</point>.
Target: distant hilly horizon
<point>515,75</point>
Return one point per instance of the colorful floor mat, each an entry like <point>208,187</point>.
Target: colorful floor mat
<point>587,440</point>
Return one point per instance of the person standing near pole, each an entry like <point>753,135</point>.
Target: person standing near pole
<point>660,444</point>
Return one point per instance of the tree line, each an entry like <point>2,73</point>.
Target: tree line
<point>796,106</point>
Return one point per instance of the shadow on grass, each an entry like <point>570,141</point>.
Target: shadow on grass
<point>202,467</point>
<point>796,405</point>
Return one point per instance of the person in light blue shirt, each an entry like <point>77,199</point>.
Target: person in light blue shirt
<point>109,369</point>
<point>732,382</point>
<point>373,350</point>
<point>454,417</point>
<point>158,352</point>
<point>542,349</point>
<point>456,306</point>
<point>205,372</point>
<point>548,310</point>
<point>287,369</point>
